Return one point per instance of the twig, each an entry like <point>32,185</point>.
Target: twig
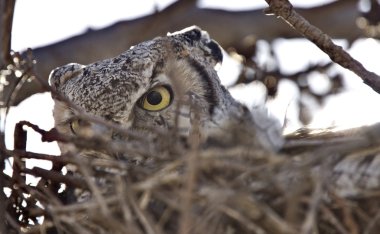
<point>123,203</point>
<point>57,177</point>
<point>13,223</point>
<point>348,219</point>
<point>67,159</point>
<point>97,194</point>
<point>142,216</point>
<point>95,143</point>
<point>310,223</point>
<point>238,216</point>
<point>18,178</point>
<point>372,224</point>
<point>82,207</point>
<point>284,9</point>
<point>261,212</point>
<point>186,221</point>
<point>331,218</point>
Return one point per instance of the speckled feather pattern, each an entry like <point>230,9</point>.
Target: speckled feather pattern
<point>111,88</point>
<point>102,88</point>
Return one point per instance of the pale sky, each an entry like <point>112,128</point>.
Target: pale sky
<point>40,22</point>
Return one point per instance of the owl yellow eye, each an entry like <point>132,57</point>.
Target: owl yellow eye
<point>157,98</point>
<point>76,125</point>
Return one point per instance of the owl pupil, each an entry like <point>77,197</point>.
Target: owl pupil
<point>154,98</point>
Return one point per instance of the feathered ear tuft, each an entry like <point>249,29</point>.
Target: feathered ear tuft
<point>215,51</point>
<point>195,36</point>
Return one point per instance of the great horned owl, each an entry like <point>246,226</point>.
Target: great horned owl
<point>170,83</point>
<point>161,83</point>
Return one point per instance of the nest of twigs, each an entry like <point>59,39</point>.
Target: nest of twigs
<point>162,185</point>
<point>176,188</point>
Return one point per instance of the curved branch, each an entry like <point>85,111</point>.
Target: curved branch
<point>284,9</point>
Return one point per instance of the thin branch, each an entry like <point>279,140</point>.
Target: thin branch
<point>57,177</point>
<point>186,221</point>
<point>284,9</point>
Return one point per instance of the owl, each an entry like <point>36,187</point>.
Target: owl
<point>170,85</point>
<point>166,83</point>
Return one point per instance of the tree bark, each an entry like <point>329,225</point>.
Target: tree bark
<point>6,11</point>
<point>229,28</point>
<point>6,18</point>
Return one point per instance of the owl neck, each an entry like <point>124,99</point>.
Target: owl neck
<point>233,122</point>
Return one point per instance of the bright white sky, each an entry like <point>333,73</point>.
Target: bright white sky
<point>40,22</point>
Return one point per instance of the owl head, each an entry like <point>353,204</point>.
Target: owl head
<point>165,83</point>
<point>159,83</point>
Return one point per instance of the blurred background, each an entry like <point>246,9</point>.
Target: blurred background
<point>266,62</point>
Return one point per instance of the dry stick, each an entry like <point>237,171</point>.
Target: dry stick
<point>95,191</point>
<point>77,208</point>
<point>12,222</point>
<point>141,215</point>
<point>95,143</point>
<point>67,159</point>
<point>309,224</point>
<point>57,177</point>
<point>18,178</point>
<point>186,221</point>
<point>332,219</point>
<point>372,224</point>
<point>238,216</point>
<point>127,215</point>
<point>284,9</point>
<point>348,219</point>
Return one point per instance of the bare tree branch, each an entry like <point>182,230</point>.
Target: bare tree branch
<point>284,9</point>
<point>111,41</point>
<point>6,17</point>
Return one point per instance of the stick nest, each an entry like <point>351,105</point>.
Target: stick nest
<point>161,185</point>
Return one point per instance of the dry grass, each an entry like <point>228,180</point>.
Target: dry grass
<point>192,189</point>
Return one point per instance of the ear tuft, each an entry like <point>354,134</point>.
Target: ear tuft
<point>195,36</point>
<point>215,51</point>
